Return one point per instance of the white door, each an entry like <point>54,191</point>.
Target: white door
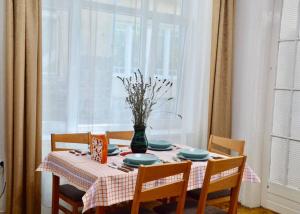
<point>283,186</point>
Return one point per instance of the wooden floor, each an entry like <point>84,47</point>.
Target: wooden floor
<point>241,209</point>
<point>244,210</point>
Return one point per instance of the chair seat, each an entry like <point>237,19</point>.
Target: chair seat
<point>190,207</point>
<point>195,194</point>
<point>71,192</point>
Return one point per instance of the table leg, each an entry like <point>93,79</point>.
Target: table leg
<point>100,210</point>
<point>55,194</point>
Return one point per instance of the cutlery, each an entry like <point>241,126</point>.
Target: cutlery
<point>217,157</point>
<point>177,147</point>
<point>123,166</point>
<point>164,161</point>
<point>176,159</point>
<point>127,167</point>
<point>119,168</point>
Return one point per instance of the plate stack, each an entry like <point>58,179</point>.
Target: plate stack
<point>159,145</point>
<point>135,160</point>
<point>113,150</point>
<point>193,154</point>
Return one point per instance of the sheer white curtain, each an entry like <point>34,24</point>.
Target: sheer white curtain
<point>87,43</point>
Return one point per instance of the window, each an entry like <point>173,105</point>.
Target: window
<point>285,149</point>
<point>86,44</point>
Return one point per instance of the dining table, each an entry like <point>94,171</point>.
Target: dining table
<point>105,186</point>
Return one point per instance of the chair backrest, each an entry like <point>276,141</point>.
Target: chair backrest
<point>173,189</point>
<point>82,138</point>
<point>225,146</point>
<point>231,181</point>
<point>119,135</point>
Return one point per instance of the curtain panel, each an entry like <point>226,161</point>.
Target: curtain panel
<point>23,105</point>
<point>220,92</point>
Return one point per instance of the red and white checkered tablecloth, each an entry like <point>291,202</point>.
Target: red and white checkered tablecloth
<point>105,186</point>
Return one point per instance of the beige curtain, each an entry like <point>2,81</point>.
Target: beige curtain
<point>23,105</point>
<point>221,68</point>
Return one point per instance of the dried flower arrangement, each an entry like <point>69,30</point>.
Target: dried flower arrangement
<point>143,95</point>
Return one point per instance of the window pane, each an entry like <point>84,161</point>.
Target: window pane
<point>281,113</point>
<point>278,160</point>
<point>168,50</point>
<point>285,66</point>
<point>166,6</point>
<point>294,160</point>
<point>289,19</point>
<point>129,3</point>
<point>295,125</point>
<point>55,69</point>
<point>297,69</point>
<point>122,3</point>
<point>126,44</point>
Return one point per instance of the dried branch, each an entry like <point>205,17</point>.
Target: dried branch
<point>142,96</point>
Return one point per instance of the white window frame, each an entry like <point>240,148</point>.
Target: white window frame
<point>274,196</point>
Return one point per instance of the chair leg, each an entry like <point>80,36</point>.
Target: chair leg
<point>75,210</point>
<point>100,210</point>
<point>55,194</point>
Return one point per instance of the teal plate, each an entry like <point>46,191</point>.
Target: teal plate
<point>112,147</point>
<point>160,149</point>
<point>160,144</point>
<point>145,159</point>
<point>194,153</point>
<point>116,152</point>
<point>193,159</point>
<point>137,165</point>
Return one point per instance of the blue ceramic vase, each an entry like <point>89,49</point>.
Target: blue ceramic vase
<point>139,142</point>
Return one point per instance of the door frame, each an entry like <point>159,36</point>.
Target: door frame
<point>277,199</point>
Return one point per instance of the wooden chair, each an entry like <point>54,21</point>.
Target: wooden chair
<point>119,135</point>
<point>223,146</point>
<point>231,181</point>
<point>67,192</point>
<point>174,189</point>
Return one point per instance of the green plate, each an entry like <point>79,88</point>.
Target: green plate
<point>159,144</point>
<point>111,148</point>
<point>137,165</point>
<point>116,152</point>
<point>138,158</point>
<point>193,153</point>
<point>193,159</point>
<point>160,149</point>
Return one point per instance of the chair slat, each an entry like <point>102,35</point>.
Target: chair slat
<point>119,135</point>
<point>168,190</point>
<point>218,152</point>
<point>221,166</point>
<point>222,145</point>
<point>224,183</point>
<point>80,138</point>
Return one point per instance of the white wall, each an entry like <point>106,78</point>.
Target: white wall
<point>251,69</point>
<point>1,92</point>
